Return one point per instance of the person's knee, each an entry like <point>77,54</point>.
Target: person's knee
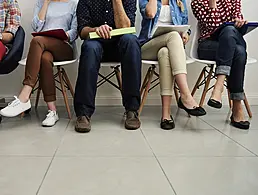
<point>37,40</point>
<point>229,32</point>
<point>241,55</point>
<point>129,39</point>
<point>46,58</point>
<point>163,52</point>
<point>92,47</point>
<point>174,36</point>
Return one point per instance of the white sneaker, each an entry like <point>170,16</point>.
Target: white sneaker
<point>15,108</point>
<point>51,119</point>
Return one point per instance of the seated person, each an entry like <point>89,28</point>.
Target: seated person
<point>225,45</point>
<point>168,49</point>
<point>10,19</point>
<point>49,15</point>
<point>101,17</point>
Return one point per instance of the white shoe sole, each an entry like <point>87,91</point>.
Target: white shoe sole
<point>14,115</point>
<point>44,125</point>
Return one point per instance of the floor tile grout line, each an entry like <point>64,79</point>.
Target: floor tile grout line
<point>231,138</point>
<point>163,171</point>
<point>53,157</point>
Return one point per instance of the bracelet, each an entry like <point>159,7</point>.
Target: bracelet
<point>189,32</point>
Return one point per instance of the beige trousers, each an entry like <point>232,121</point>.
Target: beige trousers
<point>168,49</point>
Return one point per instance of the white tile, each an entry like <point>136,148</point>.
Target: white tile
<point>104,143</point>
<point>32,142</point>
<point>248,139</point>
<point>25,124</point>
<point>105,176</point>
<point>212,176</point>
<point>221,121</point>
<point>193,143</point>
<point>22,175</point>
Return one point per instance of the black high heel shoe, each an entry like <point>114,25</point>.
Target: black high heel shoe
<point>167,124</point>
<point>197,111</point>
<point>240,125</point>
<point>214,104</point>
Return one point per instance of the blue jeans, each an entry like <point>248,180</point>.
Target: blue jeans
<point>125,49</point>
<point>228,48</point>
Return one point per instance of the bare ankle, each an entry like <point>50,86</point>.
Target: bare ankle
<point>23,99</point>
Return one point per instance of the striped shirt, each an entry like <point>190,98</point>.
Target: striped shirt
<point>10,16</point>
<point>211,18</point>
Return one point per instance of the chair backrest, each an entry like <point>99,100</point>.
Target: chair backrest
<point>11,61</point>
<point>194,46</point>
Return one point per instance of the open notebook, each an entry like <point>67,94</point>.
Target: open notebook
<point>57,33</point>
<point>115,32</point>
<point>164,29</point>
<point>245,29</point>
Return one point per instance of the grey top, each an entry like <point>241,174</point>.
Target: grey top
<point>60,15</point>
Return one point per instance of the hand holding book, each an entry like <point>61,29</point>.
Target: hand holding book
<point>104,31</point>
<point>240,22</point>
<point>111,33</point>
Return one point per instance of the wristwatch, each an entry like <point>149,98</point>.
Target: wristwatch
<point>1,36</point>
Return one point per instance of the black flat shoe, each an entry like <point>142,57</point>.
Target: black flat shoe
<point>167,124</point>
<point>197,111</point>
<point>214,103</point>
<point>240,125</point>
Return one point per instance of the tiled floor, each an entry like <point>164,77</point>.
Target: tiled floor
<point>202,156</point>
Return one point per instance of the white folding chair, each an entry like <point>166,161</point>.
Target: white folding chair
<point>149,83</point>
<point>61,78</point>
<point>115,66</point>
<point>207,73</point>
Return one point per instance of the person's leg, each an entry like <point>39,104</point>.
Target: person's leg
<point>86,86</point>
<point>228,39</point>
<point>47,81</point>
<point>177,59</point>
<point>130,55</point>
<point>166,82</point>
<point>47,84</point>
<point>207,50</point>
<point>37,46</point>
<point>175,64</point>
<point>236,82</point>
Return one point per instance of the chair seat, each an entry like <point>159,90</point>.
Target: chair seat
<point>109,64</point>
<point>189,60</point>
<point>209,62</point>
<point>153,62</point>
<point>249,61</point>
<point>150,62</point>
<point>63,63</point>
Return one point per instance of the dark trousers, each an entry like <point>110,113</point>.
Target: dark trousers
<point>125,49</point>
<point>228,48</point>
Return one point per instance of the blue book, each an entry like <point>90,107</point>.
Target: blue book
<point>246,28</point>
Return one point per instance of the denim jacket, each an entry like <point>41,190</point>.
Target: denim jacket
<point>178,17</point>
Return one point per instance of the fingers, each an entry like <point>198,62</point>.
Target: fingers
<point>185,38</point>
<point>104,31</point>
<point>239,23</point>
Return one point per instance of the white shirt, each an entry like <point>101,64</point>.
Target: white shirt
<point>165,15</point>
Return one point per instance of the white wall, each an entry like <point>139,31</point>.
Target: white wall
<point>11,84</point>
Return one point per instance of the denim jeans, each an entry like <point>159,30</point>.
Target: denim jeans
<point>228,48</point>
<point>125,49</point>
